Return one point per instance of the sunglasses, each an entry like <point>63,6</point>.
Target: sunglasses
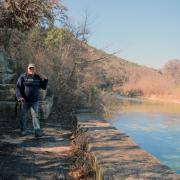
<point>31,68</point>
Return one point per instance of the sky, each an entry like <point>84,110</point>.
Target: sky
<point>146,32</point>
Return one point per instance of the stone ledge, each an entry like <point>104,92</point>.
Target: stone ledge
<point>7,108</point>
<point>117,156</point>
<point>7,92</point>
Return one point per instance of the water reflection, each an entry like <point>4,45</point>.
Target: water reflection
<point>153,126</point>
<point>126,104</point>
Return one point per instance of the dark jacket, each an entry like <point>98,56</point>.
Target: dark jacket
<point>28,86</point>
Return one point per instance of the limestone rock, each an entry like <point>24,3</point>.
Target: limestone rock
<point>45,107</point>
<point>7,109</point>
<point>7,69</point>
<point>7,92</point>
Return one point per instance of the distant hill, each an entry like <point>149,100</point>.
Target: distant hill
<point>110,71</point>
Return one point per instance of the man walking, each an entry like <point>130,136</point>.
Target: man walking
<point>27,92</point>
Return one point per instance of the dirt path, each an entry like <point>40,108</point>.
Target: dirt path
<point>27,157</point>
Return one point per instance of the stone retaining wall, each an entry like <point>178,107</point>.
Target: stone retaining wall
<point>117,156</point>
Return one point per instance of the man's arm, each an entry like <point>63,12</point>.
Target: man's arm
<point>43,81</point>
<point>19,89</point>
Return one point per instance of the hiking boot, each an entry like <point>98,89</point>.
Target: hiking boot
<point>38,133</point>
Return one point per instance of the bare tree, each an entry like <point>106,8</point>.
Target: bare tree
<point>172,68</point>
<point>25,14</point>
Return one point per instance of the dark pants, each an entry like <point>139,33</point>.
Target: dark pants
<point>34,107</point>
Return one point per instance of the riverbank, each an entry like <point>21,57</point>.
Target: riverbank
<point>115,103</point>
<point>161,98</point>
<point>153,97</point>
<point>116,156</point>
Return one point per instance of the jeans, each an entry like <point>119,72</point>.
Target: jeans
<point>34,107</point>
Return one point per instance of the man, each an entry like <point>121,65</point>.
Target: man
<point>27,92</point>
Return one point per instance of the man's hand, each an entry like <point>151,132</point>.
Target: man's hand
<point>21,99</point>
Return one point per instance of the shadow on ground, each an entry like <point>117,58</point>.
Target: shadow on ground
<point>27,157</point>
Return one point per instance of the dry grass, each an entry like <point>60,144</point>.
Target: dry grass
<point>82,168</point>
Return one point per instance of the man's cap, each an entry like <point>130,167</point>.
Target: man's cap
<point>31,65</point>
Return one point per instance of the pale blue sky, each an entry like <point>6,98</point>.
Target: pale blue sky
<point>147,32</point>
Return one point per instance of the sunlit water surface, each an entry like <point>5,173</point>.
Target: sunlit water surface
<point>155,127</point>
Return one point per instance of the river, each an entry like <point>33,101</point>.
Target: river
<point>154,126</point>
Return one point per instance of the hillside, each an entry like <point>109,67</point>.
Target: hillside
<point>120,75</point>
<point>115,74</point>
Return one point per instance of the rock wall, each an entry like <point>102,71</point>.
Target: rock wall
<point>7,69</point>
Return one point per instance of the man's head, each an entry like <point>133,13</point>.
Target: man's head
<point>31,69</point>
